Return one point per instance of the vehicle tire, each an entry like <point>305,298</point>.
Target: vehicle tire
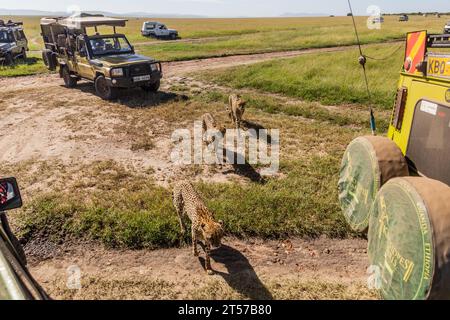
<point>9,60</point>
<point>154,87</point>
<point>368,163</point>
<point>409,239</point>
<point>173,36</point>
<point>24,54</point>
<point>103,90</point>
<point>69,81</point>
<point>49,58</point>
<point>45,56</point>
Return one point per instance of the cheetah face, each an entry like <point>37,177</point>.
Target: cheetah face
<point>213,233</point>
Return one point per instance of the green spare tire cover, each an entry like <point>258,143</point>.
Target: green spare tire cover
<point>409,239</point>
<point>368,163</point>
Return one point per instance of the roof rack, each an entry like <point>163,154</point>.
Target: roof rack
<point>10,23</point>
<point>439,41</point>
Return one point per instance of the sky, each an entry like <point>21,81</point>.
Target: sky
<point>230,8</point>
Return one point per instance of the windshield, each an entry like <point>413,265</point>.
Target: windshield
<point>4,37</point>
<point>109,45</point>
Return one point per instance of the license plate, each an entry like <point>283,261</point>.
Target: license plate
<point>439,66</point>
<point>141,78</point>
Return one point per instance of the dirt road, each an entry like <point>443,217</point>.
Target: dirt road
<point>295,269</point>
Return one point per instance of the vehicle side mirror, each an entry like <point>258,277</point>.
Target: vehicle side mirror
<point>9,194</point>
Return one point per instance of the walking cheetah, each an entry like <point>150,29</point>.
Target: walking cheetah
<point>210,124</point>
<point>236,109</point>
<point>188,202</point>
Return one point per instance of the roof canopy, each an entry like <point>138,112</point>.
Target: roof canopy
<point>84,21</point>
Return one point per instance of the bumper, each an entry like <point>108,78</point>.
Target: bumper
<point>127,82</point>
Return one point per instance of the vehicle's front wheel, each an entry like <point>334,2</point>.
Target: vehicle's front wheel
<point>173,36</point>
<point>24,54</point>
<point>154,87</point>
<point>69,81</point>
<point>104,90</point>
<point>9,60</point>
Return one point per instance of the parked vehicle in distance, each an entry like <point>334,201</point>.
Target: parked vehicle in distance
<point>378,19</point>
<point>109,60</point>
<point>16,282</point>
<point>158,30</point>
<point>447,28</point>
<point>13,42</point>
<point>403,18</point>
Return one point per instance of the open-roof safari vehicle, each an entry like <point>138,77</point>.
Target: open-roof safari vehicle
<point>16,283</point>
<point>108,60</point>
<point>397,187</point>
<point>13,42</point>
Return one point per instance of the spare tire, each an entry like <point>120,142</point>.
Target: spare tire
<point>368,163</point>
<point>45,56</point>
<point>49,58</point>
<point>409,239</point>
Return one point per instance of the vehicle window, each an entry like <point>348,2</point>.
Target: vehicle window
<point>4,37</point>
<point>110,45</point>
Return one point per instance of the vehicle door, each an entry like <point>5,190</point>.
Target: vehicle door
<point>82,65</point>
<point>20,41</point>
<point>164,31</point>
<point>23,40</point>
<point>14,45</point>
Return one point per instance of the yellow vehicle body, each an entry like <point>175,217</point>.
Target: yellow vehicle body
<point>419,88</point>
<point>420,123</point>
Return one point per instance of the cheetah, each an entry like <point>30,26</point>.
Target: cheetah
<point>210,124</point>
<point>236,109</point>
<point>188,202</point>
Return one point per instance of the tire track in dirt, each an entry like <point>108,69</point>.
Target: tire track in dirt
<point>251,269</point>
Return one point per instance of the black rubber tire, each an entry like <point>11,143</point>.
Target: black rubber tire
<point>69,81</point>
<point>24,54</point>
<point>9,60</point>
<point>45,57</point>
<point>105,91</point>
<point>173,36</point>
<point>154,87</point>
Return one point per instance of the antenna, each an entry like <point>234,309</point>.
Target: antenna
<point>362,61</point>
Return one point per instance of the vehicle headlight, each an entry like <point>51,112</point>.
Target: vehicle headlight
<point>154,67</point>
<point>118,72</point>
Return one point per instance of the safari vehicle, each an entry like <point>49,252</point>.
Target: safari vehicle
<point>158,30</point>
<point>379,19</point>
<point>13,42</point>
<point>396,188</point>
<point>108,60</point>
<point>403,18</point>
<point>16,283</point>
<point>447,28</point>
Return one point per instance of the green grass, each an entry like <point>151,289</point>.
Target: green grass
<point>141,215</point>
<point>330,78</point>
<point>120,207</point>
<point>31,66</point>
